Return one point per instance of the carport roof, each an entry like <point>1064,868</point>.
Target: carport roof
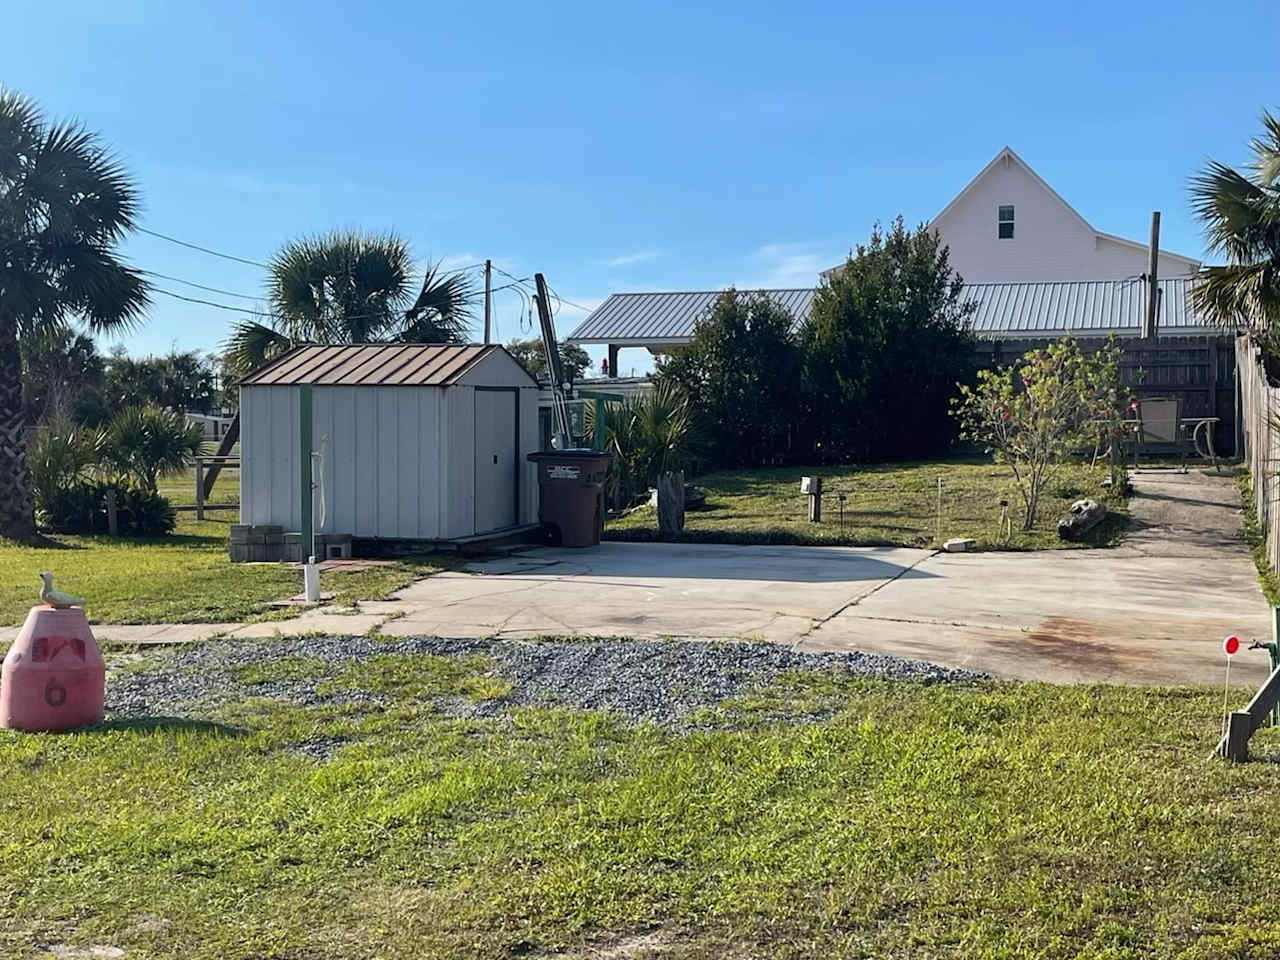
<point>372,364</point>
<point>1001,310</point>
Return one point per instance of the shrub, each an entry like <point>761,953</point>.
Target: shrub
<point>648,434</point>
<point>888,339</point>
<point>742,374</point>
<point>81,507</point>
<point>62,454</point>
<point>149,442</point>
<point>1033,416</point>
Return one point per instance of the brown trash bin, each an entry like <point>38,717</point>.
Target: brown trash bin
<point>571,495</point>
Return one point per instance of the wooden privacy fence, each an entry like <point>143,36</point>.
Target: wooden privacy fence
<point>1259,407</point>
<point>1199,370</point>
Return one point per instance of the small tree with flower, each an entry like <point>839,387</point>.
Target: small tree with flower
<point>1035,414</point>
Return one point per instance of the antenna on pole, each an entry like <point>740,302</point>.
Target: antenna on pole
<point>559,412</point>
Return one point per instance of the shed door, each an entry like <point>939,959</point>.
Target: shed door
<point>497,471</point>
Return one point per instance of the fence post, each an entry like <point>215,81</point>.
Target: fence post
<point>199,489</point>
<point>113,515</point>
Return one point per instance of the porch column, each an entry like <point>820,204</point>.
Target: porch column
<point>613,359</point>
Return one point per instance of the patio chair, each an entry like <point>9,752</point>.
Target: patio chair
<point>1160,428</point>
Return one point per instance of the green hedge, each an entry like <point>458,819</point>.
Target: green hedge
<point>81,507</point>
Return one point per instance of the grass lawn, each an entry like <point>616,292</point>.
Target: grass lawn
<point>888,504</point>
<point>186,577</point>
<point>992,820</point>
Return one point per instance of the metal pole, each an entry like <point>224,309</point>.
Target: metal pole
<point>306,542</point>
<point>488,284</point>
<point>1153,291</point>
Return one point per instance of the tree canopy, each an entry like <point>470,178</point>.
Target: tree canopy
<point>888,339</point>
<point>742,374</point>
<point>65,203</point>
<point>533,358</point>
<point>1240,212</point>
<point>351,287</point>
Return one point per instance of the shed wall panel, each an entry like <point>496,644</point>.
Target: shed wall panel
<point>461,423</point>
<point>399,461</point>
<point>382,464</point>
<point>269,477</point>
<point>530,442</point>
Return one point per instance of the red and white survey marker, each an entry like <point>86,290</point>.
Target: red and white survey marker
<point>1230,646</point>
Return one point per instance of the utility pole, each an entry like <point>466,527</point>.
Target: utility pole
<point>1153,292</point>
<point>488,283</point>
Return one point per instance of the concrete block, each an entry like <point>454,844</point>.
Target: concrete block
<point>960,545</point>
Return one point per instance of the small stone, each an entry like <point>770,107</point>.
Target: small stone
<point>960,545</point>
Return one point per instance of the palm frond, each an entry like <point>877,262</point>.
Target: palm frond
<point>442,311</point>
<point>252,344</point>
<point>1266,150</point>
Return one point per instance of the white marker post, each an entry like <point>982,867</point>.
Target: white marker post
<point>1230,646</point>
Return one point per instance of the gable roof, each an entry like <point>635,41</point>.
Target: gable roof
<point>641,319</point>
<point>375,364</point>
<point>1009,310</point>
<point>1008,155</point>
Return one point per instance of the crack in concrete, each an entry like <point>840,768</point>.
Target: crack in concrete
<point>818,622</point>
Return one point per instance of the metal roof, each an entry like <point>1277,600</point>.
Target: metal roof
<point>640,319</point>
<point>1048,308</point>
<point>1083,307</point>
<point>372,364</point>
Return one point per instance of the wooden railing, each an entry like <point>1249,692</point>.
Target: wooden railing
<point>222,463</point>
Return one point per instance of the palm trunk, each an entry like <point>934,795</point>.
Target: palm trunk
<point>17,510</point>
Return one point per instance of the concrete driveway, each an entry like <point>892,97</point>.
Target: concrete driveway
<point>1151,611</point>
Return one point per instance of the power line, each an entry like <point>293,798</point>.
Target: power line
<point>201,286</point>
<point>210,303</point>
<point>196,246</point>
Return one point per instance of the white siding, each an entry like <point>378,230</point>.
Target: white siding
<point>399,461</point>
<point>1050,242</point>
<point>530,442</point>
<point>381,472</point>
<point>460,421</point>
<point>498,369</point>
<point>269,445</point>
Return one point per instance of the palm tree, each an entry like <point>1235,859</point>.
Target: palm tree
<point>346,288</point>
<point>65,202</point>
<point>351,288</point>
<point>1241,216</point>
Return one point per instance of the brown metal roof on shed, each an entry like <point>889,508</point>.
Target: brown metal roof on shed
<point>373,364</point>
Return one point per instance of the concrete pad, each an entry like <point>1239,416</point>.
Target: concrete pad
<point>654,590</point>
<point>1152,611</point>
<point>1116,616</point>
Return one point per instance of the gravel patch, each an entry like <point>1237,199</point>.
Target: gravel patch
<point>655,680</point>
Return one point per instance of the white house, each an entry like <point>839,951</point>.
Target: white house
<point>1009,226</point>
<point>1034,266</point>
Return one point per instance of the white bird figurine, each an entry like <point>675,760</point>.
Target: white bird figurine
<point>56,598</point>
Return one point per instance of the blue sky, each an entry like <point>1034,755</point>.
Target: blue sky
<point>628,146</point>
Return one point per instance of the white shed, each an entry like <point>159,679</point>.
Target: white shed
<point>420,441</point>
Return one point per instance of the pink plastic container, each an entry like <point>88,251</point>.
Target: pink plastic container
<point>53,676</point>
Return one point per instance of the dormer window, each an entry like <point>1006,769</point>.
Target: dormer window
<point>1004,221</point>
